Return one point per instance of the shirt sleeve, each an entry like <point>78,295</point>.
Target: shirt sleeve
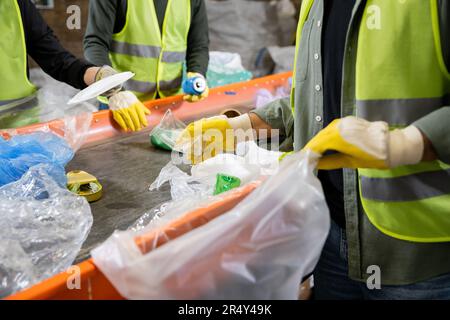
<point>100,29</point>
<point>436,127</point>
<point>197,55</point>
<point>278,114</point>
<point>44,47</point>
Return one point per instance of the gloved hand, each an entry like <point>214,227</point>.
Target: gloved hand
<point>128,111</point>
<point>206,138</point>
<point>196,98</point>
<point>363,144</point>
<point>105,72</point>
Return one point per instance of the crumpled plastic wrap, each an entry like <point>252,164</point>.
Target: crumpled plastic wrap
<point>226,68</point>
<point>73,129</point>
<point>260,249</point>
<point>167,132</point>
<point>42,229</point>
<point>182,185</point>
<point>22,152</point>
<point>249,163</point>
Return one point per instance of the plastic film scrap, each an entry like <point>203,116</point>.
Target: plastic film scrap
<point>259,249</point>
<point>43,227</point>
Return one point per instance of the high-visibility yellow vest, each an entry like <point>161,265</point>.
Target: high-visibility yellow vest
<point>155,57</point>
<point>401,76</point>
<point>13,56</point>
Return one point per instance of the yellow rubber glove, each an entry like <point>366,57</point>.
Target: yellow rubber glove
<point>362,144</point>
<point>196,98</point>
<point>128,111</point>
<point>207,138</point>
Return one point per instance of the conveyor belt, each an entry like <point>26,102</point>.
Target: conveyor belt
<point>125,167</point>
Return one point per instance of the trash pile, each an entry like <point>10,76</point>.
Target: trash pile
<point>43,224</point>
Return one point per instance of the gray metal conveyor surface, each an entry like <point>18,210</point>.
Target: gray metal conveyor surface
<point>125,167</point>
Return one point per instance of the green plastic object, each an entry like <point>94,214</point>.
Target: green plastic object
<point>164,139</point>
<point>226,183</point>
<point>158,143</point>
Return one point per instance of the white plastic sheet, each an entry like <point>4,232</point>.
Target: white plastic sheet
<point>42,229</point>
<point>249,163</point>
<point>261,249</point>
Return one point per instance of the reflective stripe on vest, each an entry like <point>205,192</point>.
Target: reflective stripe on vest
<point>412,187</point>
<point>13,55</point>
<point>156,58</point>
<point>399,112</point>
<point>400,81</point>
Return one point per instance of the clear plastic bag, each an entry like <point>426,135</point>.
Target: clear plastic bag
<point>226,68</point>
<point>166,133</point>
<point>22,152</point>
<point>182,185</point>
<point>261,249</point>
<point>42,229</point>
<point>74,129</point>
<point>248,164</point>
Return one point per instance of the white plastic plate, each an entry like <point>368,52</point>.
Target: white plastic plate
<point>98,88</point>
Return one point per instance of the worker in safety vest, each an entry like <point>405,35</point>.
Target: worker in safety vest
<point>375,75</point>
<point>24,32</point>
<point>153,39</point>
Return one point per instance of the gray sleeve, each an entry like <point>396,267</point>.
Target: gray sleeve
<point>278,114</point>
<point>436,127</point>
<point>100,28</point>
<point>444,21</point>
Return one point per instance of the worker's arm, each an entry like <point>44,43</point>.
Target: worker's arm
<point>49,54</point>
<point>275,115</point>
<point>104,19</point>
<point>197,55</point>
<point>436,130</point>
<point>434,127</point>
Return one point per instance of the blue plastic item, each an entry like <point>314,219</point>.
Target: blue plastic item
<point>22,152</point>
<point>194,86</point>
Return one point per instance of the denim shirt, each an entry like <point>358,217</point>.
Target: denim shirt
<point>401,262</point>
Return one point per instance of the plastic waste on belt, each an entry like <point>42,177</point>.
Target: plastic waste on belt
<point>261,249</point>
<point>22,152</point>
<point>166,133</point>
<point>248,164</point>
<point>42,229</point>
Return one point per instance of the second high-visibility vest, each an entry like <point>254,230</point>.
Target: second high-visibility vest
<point>401,77</point>
<point>155,57</point>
